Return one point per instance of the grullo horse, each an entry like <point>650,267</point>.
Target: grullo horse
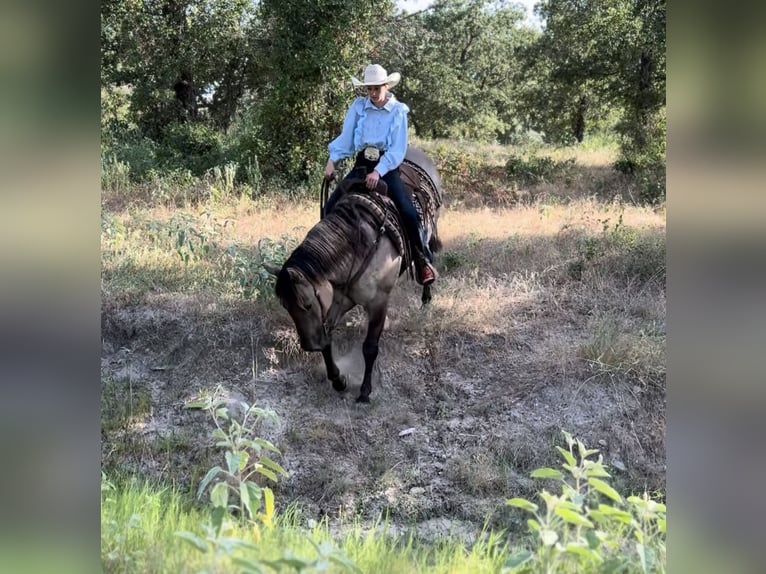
<point>354,256</point>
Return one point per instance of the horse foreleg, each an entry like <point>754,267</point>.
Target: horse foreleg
<point>333,373</point>
<point>370,351</point>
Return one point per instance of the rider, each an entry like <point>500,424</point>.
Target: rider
<point>375,130</point>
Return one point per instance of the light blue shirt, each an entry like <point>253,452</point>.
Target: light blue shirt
<point>366,125</point>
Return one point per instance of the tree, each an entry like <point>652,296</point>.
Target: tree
<point>313,50</point>
<point>184,60</point>
<point>458,58</point>
<point>597,56</point>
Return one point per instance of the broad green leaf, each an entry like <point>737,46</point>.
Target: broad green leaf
<point>547,473</point>
<point>219,495</point>
<point>534,525</point>
<point>604,489</point>
<point>567,456</point>
<point>519,558</point>
<point>274,466</point>
<point>573,517</point>
<point>211,474</point>
<point>621,515</point>
<point>192,539</point>
<point>254,491</point>
<point>267,473</point>
<point>232,462</point>
<point>549,537</point>
<point>522,503</point>
<point>266,444</point>
<point>661,524</point>
<point>244,496</point>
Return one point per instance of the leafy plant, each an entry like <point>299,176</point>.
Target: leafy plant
<point>237,497</point>
<point>537,169</point>
<point>245,455</point>
<point>190,236</point>
<point>577,532</point>
<point>249,271</point>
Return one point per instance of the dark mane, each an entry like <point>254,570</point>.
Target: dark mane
<point>334,241</point>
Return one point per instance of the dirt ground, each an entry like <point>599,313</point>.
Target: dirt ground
<point>481,407</point>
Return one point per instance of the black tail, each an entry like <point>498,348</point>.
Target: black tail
<point>435,243</point>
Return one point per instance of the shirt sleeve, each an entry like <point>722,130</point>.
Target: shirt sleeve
<point>397,148</point>
<point>343,145</point>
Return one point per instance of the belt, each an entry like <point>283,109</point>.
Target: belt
<point>371,153</point>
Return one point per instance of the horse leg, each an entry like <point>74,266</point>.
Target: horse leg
<point>333,373</point>
<point>370,350</point>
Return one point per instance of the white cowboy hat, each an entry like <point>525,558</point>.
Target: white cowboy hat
<point>375,75</point>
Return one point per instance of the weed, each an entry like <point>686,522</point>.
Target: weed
<point>577,532</point>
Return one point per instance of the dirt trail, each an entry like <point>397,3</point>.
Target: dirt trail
<point>486,408</point>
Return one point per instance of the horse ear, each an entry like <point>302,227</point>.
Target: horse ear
<point>271,268</point>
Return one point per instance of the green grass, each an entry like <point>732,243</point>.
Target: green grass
<point>139,522</point>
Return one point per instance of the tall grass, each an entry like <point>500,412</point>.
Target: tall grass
<point>139,521</point>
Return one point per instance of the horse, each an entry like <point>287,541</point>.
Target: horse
<point>354,256</point>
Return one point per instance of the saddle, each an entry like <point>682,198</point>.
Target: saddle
<point>423,192</point>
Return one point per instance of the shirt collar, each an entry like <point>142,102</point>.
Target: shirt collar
<point>388,106</point>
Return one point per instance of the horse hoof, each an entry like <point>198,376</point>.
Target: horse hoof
<point>362,399</point>
<point>339,384</point>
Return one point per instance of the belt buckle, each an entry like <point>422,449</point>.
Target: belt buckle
<point>371,153</point>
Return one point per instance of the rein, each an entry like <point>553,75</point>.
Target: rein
<point>324,195</point>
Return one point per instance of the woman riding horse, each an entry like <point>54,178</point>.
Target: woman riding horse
<point>375,130</point>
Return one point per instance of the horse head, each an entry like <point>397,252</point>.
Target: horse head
<point>308,305</point>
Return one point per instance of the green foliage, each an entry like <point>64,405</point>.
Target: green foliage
<point>248,269</point>
<point>195,147</point>
<point>246,457</point>
<point>537,169</point>
<point>599,59</point>
<point>456,60</point>
<point>189,236</point>
<point>236,494</point>
<point>622,252</point>
<point>589,526</point>
<point>313,49</point>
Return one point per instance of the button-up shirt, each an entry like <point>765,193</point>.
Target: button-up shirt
<point>367,125</point>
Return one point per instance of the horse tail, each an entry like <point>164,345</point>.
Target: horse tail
<point>435,242</point>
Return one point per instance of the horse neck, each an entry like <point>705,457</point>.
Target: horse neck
<point>341,269</point>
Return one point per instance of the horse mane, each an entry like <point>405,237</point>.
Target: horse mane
<point>333,242</point>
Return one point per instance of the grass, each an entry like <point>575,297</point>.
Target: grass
<point>139,522</point>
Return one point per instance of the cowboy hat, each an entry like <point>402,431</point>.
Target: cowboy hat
<point>375,75</point>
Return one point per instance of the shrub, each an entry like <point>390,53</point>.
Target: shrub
<point>537,169</point>
<point>578,532</point>
<point>196,147</point>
